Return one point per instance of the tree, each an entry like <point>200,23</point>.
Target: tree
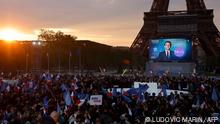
<point>50,35</point>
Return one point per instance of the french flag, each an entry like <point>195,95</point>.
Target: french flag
<point>74,85</point>
<point>80,99</point>
<point>66,95</point>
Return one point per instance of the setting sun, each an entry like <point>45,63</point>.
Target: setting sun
<point>10,34</point>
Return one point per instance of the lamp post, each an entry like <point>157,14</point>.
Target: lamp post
<point>70,55</point>
<point>79,54</point>
<point>27,55</point>
<point>26,46</point>
<point>59,61</point>
<point>80,59</point>
<point>48,62</point>
<point>36,54</point>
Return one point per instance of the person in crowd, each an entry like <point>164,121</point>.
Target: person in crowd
<point>63,99</point>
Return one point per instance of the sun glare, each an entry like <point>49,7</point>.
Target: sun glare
<point>10,34</point>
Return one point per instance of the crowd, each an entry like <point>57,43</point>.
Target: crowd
<point>64,99</point>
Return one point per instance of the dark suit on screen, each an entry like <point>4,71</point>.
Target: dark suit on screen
<point>164,57</point>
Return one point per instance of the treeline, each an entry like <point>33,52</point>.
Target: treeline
<point>58,51</point>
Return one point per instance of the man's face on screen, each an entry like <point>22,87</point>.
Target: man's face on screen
<point>167,46</point>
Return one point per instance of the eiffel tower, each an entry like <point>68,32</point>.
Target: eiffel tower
<point>195,23</point>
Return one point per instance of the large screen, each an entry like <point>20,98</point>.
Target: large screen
<point>174,49</point>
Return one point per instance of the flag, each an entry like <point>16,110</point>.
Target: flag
<point>8,88</point>
<point>67,98</point>
<point>143,87</point>
<point>3,86</point>
<point>103,91</point>
<point>76,79</point>
<point>48,77</point>
<point>72,94</point>
<point>141,97</point>
<point>109,94</point>
<point>172,100</point>
<point>43,76</point>
<point>82,98</point>
<point>129,111</point>
<point>45,102</point>
<point>133,91</point>
<point>203,105</point>
<point>215,94</point>
<point>30,86</point>
<point>198,100</point>
<point>66,95</point>
<point>58,108</point>
<point>63,88</point>
<point>1,82</point>
<point>74,85</point>
<point>202,87</point>
<point>164,89</point>
<point>81,95</point>
<point>114,92</point>
<point>58,77</point>
<point>126,99</point>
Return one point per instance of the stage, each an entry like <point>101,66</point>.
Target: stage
<point>173,68</point>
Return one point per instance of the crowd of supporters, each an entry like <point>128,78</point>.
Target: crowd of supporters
<point>43,99</point>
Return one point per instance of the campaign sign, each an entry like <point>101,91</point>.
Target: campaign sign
<point>95,100</point>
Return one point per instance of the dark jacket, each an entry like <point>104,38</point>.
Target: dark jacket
<point>162,56</point>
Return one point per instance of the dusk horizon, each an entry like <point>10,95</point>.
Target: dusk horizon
<point>110,22</point>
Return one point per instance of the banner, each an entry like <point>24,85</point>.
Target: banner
<point>153,88</point>
<point>95,100</point>
<point>10,82</point>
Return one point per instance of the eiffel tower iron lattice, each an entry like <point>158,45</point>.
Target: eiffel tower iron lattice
<point>195,23</point>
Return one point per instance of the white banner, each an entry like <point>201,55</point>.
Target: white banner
<point>153,88</point>
<point>10,82</point>
<point>95,100</point>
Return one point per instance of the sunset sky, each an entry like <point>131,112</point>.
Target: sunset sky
<point>112,22</point>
